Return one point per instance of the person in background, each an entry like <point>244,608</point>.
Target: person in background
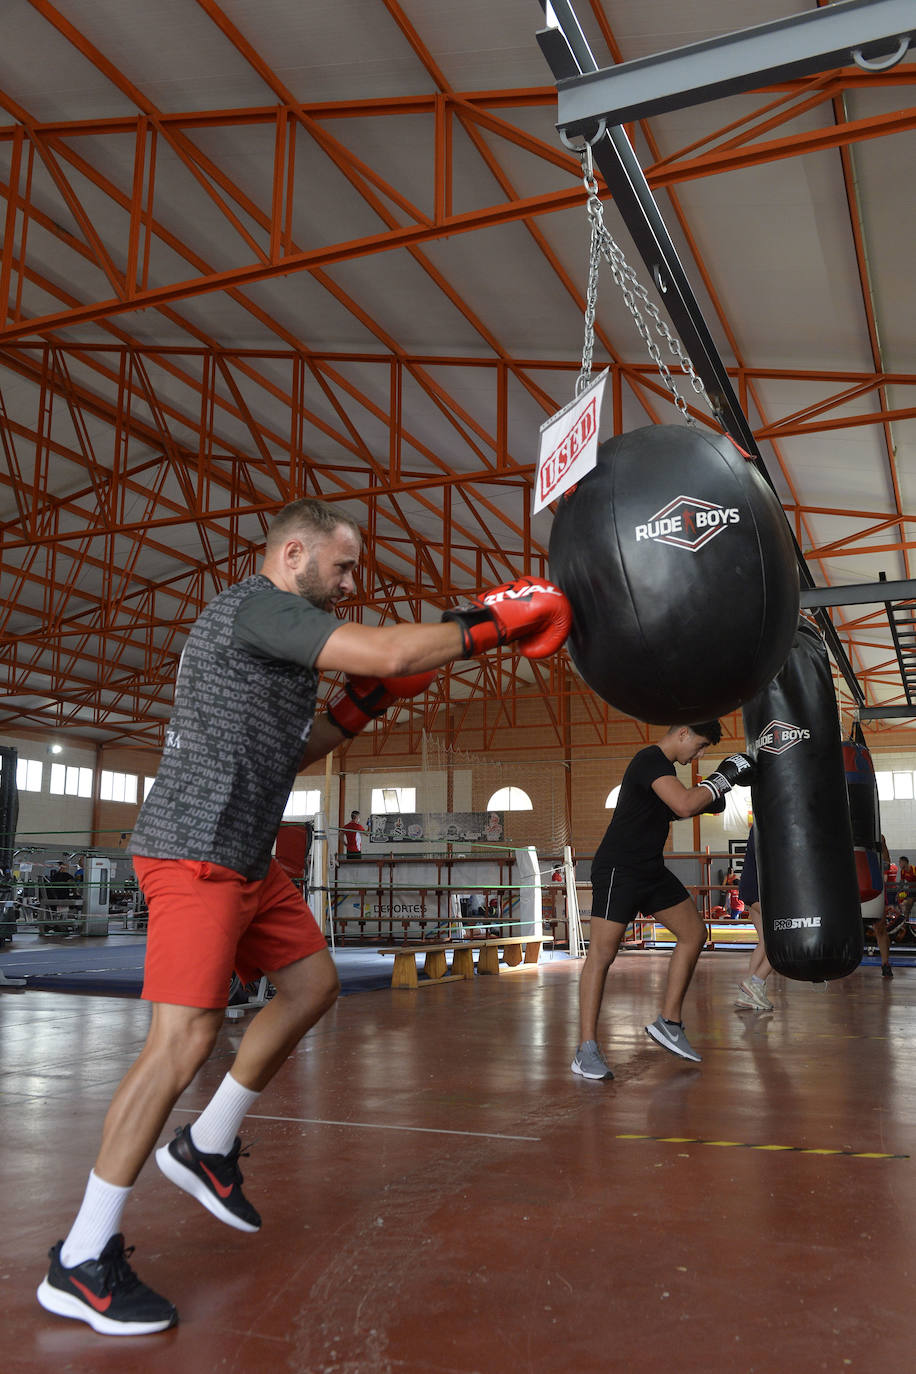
<point>629,877</point>
<point>752,991</point>
<point>61,879</point>
<point>892,918</point>
<point>906,893</point>
<point>352,834</point>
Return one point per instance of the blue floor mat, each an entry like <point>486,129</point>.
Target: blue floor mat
<point>113,966</point>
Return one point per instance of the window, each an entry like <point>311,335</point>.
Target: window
<point>147,784</point>
<point>67,781</point>
<point>394,800</point>
<point>612,797</point>
<point>510,799</point>
<point>118,787</point>
<point>302,803</point>
<point>28,775</point>
<point>896,786</point>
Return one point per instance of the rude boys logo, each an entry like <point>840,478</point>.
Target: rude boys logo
<point>688,523</point>
<point>779,736</point>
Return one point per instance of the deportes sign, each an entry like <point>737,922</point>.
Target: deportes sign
<point>568,447</point>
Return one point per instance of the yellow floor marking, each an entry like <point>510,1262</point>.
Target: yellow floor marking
<point>745,1145</point>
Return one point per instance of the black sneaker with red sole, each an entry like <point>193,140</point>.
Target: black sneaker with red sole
<point>105,1293</point>
<point>215,1180</point>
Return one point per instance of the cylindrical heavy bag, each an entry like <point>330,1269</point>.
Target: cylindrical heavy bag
<point>682,574</point>
<point>865,818</point>
<point>9,804</point>
<point>809,891</point>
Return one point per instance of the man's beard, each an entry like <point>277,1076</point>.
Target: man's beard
<point>309,586</point>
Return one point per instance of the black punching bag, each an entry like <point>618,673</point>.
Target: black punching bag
<point>809,891</point>
<point>865,817</point>
<point>9,804</point>
<point>680,567</point>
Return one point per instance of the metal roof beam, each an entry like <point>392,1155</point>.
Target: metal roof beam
<point>884,712</point>
<point>858,594</point>
<point>801,45</point>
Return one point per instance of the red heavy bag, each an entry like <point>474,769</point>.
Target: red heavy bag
<point>680,568</point>
<point>809,890</point>
<point>865,817</point>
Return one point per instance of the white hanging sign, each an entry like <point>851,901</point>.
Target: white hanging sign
<point>568,447</point>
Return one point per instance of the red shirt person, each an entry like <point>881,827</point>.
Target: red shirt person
<point>353,834</point>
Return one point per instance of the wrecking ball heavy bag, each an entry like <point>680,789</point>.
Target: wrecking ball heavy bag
<point>809,891</point>
<point>682,574</point>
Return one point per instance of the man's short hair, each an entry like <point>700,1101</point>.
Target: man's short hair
<point>708,729</point>
<point>353,813</point>
<point>310,517</point>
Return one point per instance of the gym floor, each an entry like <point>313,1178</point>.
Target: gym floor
<point>441,1195</point>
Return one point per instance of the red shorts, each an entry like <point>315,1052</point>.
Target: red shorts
<point>205,920</point>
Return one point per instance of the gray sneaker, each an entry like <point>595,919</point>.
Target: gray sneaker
<point>671,1035</point>
<point>754,995</point>
<point>590,1062</point>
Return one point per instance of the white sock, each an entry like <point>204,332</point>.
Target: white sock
<point>214,1131</point>
<point>98,1219</point>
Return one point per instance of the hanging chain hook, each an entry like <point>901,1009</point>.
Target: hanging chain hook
<point>882,64</point>
<point>593,207</point>
<point>603,245</point>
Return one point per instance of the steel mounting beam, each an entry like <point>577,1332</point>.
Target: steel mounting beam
<point>884,713</point>
<point>872,33</point>
<point>859,594</point>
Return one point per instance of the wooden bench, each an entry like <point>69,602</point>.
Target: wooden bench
<point>435,967</point>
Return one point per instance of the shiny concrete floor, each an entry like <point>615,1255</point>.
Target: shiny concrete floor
<point>441,1195</point>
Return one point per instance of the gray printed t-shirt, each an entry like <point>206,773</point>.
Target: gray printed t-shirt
<point>244,703</point>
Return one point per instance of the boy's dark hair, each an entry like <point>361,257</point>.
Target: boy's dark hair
<point>709,729</point>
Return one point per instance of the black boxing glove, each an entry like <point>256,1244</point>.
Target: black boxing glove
<point>738,770</point>
<point>715,807</point>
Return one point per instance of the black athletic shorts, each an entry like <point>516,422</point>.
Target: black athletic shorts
<point>622,893</point>
<point>748,885</point>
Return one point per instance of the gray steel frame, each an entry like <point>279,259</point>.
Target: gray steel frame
<point>859,594</point>
<point>568,54</point>
<point>800,45</point>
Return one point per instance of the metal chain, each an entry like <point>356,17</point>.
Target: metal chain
<point>594,263</point>
<point>602,244</point>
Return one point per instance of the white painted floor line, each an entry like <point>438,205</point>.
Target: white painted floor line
<point>371,1125</point>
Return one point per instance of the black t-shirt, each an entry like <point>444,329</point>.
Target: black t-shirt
<point>636,836</point>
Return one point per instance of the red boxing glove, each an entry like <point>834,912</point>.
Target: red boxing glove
<point>531,613</point>
<point>365,698</point>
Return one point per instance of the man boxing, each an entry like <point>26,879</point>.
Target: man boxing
<point>243,724</point>
<point>629,876</point>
